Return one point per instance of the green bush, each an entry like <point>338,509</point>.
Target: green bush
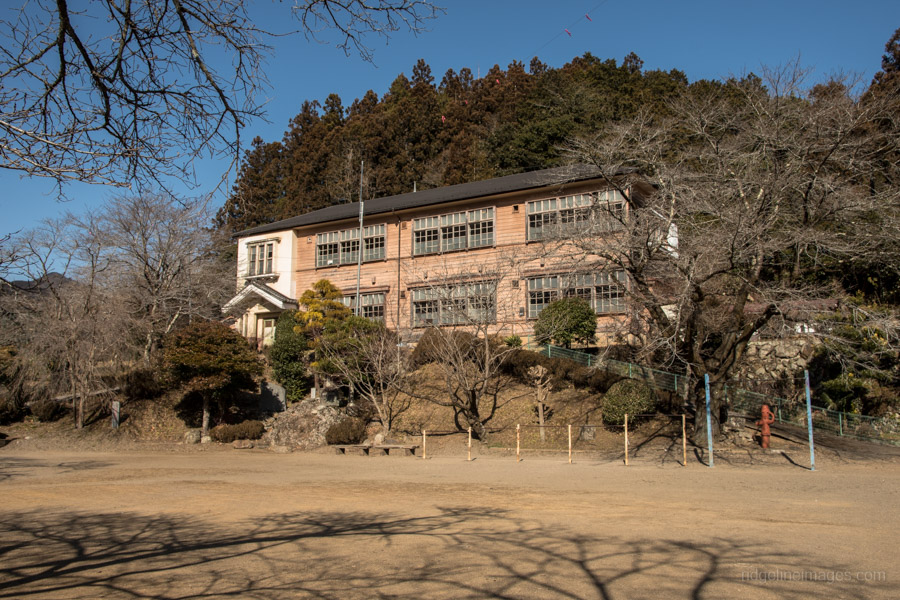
<point>513,341</point>
<point>248,430</point>
<point>565,321</point>
<point>47,411</point>
<point>287,356</point>
<point>348,431</point>
<point>627,397</point>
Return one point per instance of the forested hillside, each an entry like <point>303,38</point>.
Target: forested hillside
<point>428,134</point>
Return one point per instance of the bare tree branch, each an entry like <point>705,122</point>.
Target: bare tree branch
<point>128,93</point>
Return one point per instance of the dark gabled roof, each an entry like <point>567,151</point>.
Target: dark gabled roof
<point>463,191</point>
<point>262,290</point>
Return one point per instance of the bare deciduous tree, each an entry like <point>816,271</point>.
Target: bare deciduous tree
<point>66,327</point>
<point>465,316</point>
<point>162,262</point>
<point>742,202</point>
<point>120,92</point>
<point>97,292</point>
<point>367,357</point>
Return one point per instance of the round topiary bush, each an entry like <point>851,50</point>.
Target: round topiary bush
<point>248,430</point>
<point>347,431</point>
<point>627,397</point>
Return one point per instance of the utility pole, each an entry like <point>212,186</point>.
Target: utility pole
<point>361,239</point>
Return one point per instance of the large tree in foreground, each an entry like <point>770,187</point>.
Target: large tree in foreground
<point>213,360</point>
<point>759,190</point>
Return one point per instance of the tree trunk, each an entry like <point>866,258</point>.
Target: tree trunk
<point>541,420</point>
<point>204,428</point>
<point>716,410</point>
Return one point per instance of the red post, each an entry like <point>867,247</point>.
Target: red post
<point>768,417</point>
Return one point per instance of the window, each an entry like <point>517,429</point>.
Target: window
<point>597,212</point>
<point>372,306</point>
<point>604,291</point>
<point>455,231</point>
<point>373,242</point>
<point>328,249</point>
<point>342,247</point>
<point>349,246</point>
<point>455,305</point>
<point>260,259</point>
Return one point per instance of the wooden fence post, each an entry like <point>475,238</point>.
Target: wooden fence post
<point>570,444</point>
<point>470,444</point>
<point>517,442</point>
<point>626,439</point>
<point>683,442</point>
<point>423,444</point>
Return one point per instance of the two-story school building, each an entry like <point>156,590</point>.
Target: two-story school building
<point>486,252</point>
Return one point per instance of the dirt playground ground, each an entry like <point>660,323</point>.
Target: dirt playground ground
<point>217,523</point>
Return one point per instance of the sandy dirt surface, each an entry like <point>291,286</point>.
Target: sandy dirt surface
<point>224,523</point>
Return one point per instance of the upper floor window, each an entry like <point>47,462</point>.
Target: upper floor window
<point>260,258</point>
<point>342,247</point>
<point>596,212</point>
<point>456,231</point>
<point>605,292</point>
<point>469,303</point>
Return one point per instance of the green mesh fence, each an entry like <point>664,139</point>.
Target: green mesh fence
<point>660,380</point>
<point>740,401</point>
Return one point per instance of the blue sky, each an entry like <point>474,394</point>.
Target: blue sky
<point>705,39</point>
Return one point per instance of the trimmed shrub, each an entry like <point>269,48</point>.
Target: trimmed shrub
<point>47,411</point>
<point>348,431</point>
<point>601,381</point>
<point>434,345</point>
<point>627,397</point>
<point>248,430</point>
<point>519,362</point>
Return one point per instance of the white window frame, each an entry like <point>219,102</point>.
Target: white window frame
<point>451,232</point>
<point>261,258</point>
<point>597,212</point>
<point>334,248</point>
<point>458,304</point>
<point>372,307</point>
<point>604,291</point>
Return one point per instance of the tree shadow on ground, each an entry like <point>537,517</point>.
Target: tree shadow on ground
<point>452,553</point>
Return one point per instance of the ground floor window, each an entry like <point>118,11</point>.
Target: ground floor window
<point>605,291</point>
<point>371,307</point>
<point>462,304</point>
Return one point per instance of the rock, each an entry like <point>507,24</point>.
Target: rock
<point>302,426</point>
<point>205,439</point>
<point>280,449</point>
<point>242,444</point>
<point>379,439</point>
<point>192,437</point>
